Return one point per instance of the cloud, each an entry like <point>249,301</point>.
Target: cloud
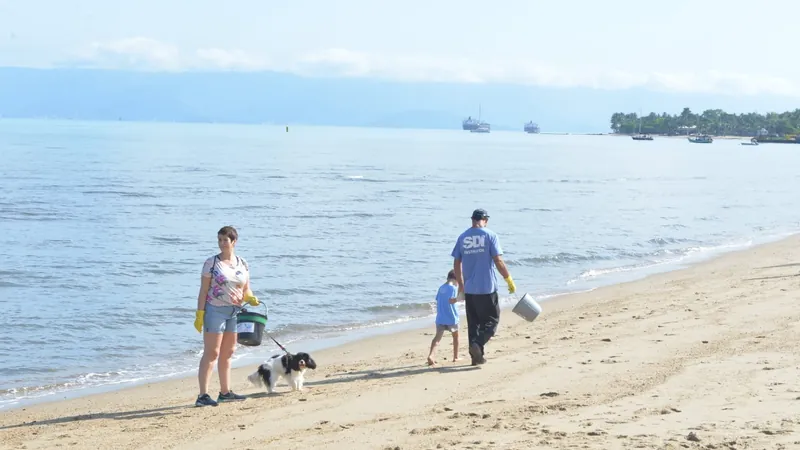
<point>132,53</point>
<point>340,62</point>
<point>141,53</point>
<point>228,59</point>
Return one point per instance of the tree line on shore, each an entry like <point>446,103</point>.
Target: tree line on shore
<point>711,121</point>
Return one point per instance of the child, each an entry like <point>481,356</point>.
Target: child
<point>446,316</point>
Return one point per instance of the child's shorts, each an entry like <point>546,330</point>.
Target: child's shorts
<point>443,328</point>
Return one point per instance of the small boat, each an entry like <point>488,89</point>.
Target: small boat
<point>701,139</point>
<point>482,127</point>
<point>753,141</point>
<point>640,136</point>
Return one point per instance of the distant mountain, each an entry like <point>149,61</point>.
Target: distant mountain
<point>269,97</point>
<point>419,119</point>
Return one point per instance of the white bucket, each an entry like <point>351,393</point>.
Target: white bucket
<point>527,308</point>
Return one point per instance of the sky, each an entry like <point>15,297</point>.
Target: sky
<point>731,47</point>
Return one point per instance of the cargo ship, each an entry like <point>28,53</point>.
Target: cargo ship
<point>531,127</point>
<point>470,124</point>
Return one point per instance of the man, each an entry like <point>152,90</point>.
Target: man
<point>475,255</point>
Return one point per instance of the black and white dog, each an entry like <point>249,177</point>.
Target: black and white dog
<point>290,367</point>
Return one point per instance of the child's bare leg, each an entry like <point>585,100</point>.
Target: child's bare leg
<point>434,342</point>
<point>455,346</point>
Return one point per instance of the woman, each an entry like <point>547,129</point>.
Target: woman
<point>224,285</point>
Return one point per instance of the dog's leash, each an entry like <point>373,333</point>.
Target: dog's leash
<point>279,344</point>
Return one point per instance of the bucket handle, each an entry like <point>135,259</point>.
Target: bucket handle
<point>244,305</point>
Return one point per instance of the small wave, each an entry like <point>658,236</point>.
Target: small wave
<point>408,307</point>
<point>669,241</point>
<point>539,210</point>
<point>251,208</point>
<point>57,241</point>
<point>283,256</point>
<point>120,193</point>
<point>152,205</point>
<point>342,216</point>
<point>594,273</point>
<point>363,179</point>
<point>613,253</point>
<point>36,219</point>
<point>33,213</point>
<point>561,257</point>
<point>658,258</point>
<point>13,396</point>
<point>347,286</point>
<point>157,271</point>
<point>173,240</point>
<point>178,309</point>
<point>284,292</point>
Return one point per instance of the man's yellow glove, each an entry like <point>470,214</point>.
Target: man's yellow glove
<point>199,315</point>
<point>511,286</point>
<point>252,300</point>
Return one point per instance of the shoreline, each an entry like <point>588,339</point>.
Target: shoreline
<point>664,136</point>
<point>588,371</point>
<point>332,339</point>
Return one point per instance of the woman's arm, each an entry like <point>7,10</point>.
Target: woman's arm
<point>205,284</point>
<point>247,291</point>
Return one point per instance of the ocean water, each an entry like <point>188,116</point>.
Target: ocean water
<point>105,228</point>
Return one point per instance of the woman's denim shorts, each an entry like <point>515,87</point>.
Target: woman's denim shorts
<point>219,319</point>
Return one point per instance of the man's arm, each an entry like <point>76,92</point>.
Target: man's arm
<point>501,266</point>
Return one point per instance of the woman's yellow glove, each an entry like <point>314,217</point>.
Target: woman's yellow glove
<point>199,315</point>
<point>511,286</point>
<point>252,300</point>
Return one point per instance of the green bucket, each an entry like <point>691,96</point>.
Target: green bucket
<point>250,327</point>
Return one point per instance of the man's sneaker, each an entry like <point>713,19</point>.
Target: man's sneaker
<point>205,400</point>
<point>230,397</point>
<point>476,354</point>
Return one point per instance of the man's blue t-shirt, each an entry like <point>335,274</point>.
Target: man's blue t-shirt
<point>476,249</point>
<point>446,313</point>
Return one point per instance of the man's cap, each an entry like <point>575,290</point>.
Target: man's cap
<point>480,214</point>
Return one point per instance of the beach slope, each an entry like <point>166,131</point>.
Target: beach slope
<point>704,357</point>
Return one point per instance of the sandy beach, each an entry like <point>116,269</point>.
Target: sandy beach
<point>704,357</point>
